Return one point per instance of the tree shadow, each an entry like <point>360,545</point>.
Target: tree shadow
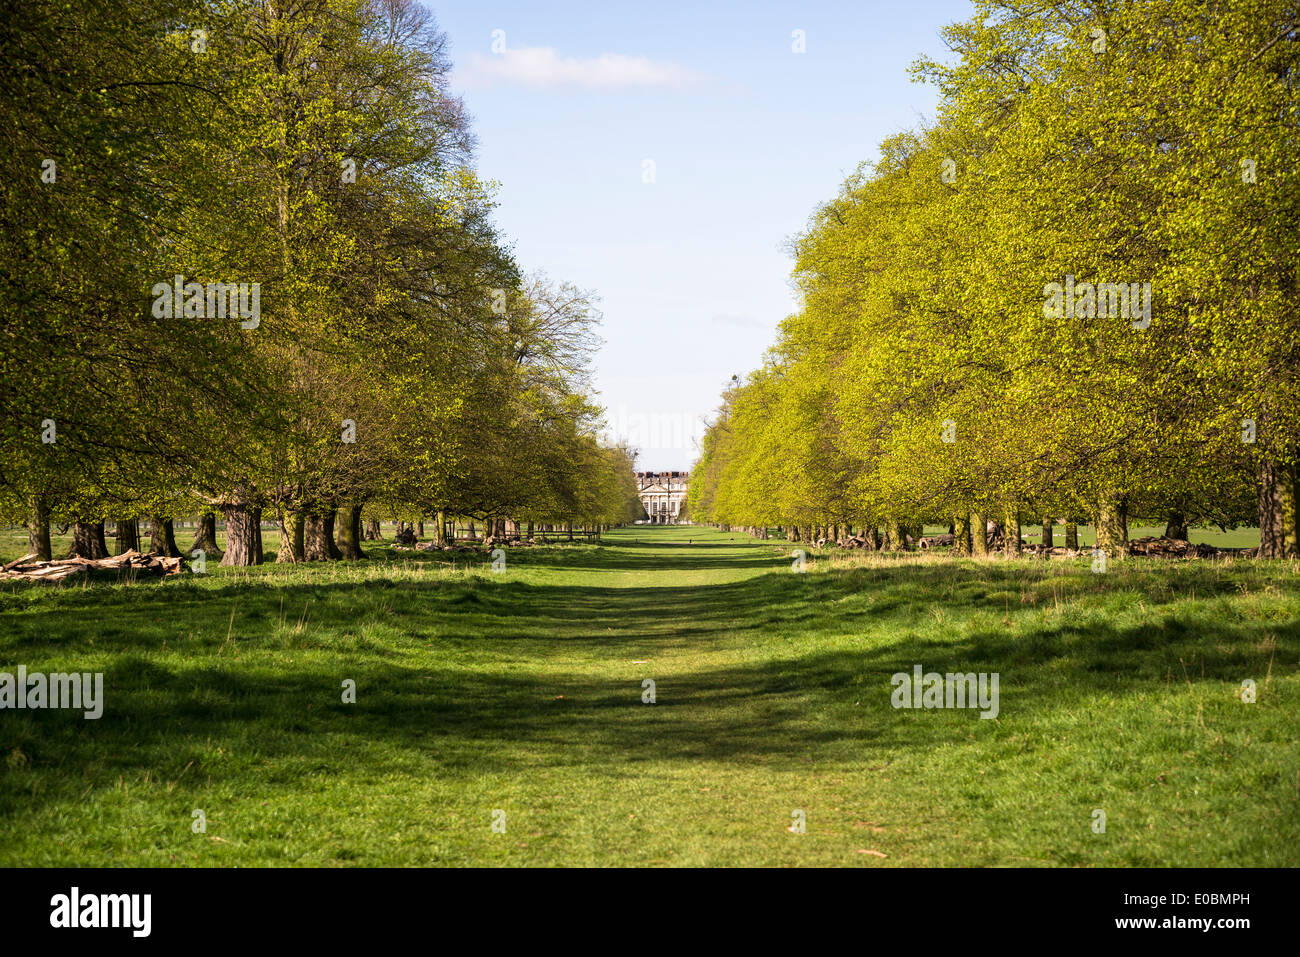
<point>426,657</point>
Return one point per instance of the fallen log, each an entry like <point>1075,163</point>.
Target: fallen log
<point>1176,548</point>
<point>130,562</point>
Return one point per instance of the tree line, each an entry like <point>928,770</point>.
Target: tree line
<point>1071,297</point>
<point>252,272</point>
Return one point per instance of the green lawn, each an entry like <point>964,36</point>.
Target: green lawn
<point>522,691</point>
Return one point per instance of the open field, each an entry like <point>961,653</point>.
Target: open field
<point>522,691</point>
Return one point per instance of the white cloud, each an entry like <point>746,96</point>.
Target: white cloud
<point>543,66</point>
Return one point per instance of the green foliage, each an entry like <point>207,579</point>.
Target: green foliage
<point>925,375</point>
<point>312,150</point>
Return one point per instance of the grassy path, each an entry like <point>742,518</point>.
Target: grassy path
<point>522,692</point>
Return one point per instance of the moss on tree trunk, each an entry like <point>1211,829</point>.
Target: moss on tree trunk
<point>961,544</point>
<point>1112,528</point>
<point>979,534</point>
<point>349,520</point>
<point>1012,533</point>
<point>291,536</point>
<point>38,530</point>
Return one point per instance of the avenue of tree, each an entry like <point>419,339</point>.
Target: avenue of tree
<point>399,365</point>
<point>935,374</point>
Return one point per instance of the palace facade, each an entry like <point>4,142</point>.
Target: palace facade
<point>663,496</point>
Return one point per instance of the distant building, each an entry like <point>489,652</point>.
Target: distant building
<point>663,495</point>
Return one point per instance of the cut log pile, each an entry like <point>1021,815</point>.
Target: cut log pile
<point>435,547</point>
<point>1150,548</point>
<point>1147,547</point>
<point>131,563</point>
<point>852,541</point>
<point>1177,548</point>
<point>477,548</point>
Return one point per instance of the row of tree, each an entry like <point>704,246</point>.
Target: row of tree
<point>250,270</point>
<point>1073,295</point>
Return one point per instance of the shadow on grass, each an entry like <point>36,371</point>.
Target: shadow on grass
<point>254,667</point>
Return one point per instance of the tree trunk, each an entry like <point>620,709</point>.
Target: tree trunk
<point>1112,531</point>
<point>162,537</point>
<point>334,552</point>
<point>473,535</point>
<point>317,535</point>
<point>1012,533</point>
<point>128,535</point>
<point>374,533</point>
<point>242,545</point>
<point>979,534</point>
<point>205,538</point>
<point>1072,536</point>
<point>440,528</point>
<point>1278,536</point>
<point>961,543</point>
<point>291,528</point>
<point>38,530</point>
<point>1047,531</point>
<point>88,540</point>
<point>350,532</point>
<point>419,529</point>
<point>1176,526</point>
<point>568,527</point>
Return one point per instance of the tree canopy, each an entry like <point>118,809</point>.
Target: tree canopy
<point>1073,294</point>
<point>252,268</point>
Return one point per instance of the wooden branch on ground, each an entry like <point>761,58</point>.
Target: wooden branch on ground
<point>131,562</point>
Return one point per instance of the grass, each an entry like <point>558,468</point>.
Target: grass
<point>522,691</point>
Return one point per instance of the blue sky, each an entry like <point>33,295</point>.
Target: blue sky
<point>746,138</point>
